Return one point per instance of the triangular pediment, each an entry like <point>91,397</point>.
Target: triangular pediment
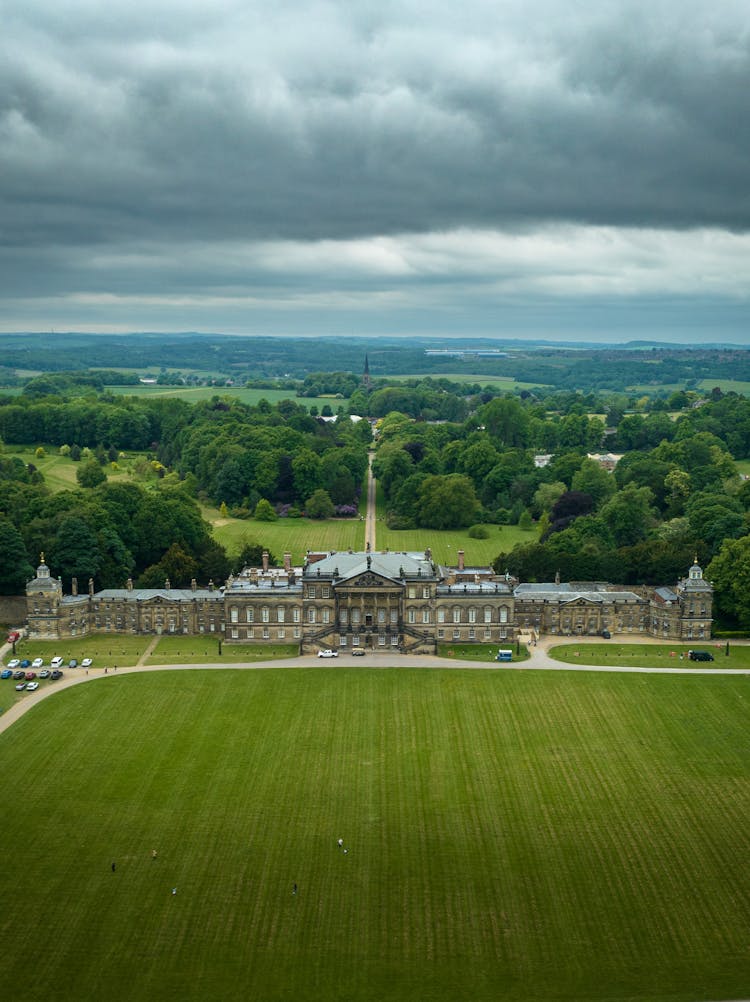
<point>368,579</point>
<point>580,600</point>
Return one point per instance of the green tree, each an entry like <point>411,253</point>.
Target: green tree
<point>591,478</point>
<point>15,568</point>
<point>447,502</point>
<point>319,505</point>
<point>730,573</point>
<point>90,474</point>
<point>264,511</point>
<point>628,514</point>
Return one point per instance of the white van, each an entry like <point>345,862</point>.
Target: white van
<point>56,662</point>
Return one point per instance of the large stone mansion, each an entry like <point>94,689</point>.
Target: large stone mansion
<point>403,602</point>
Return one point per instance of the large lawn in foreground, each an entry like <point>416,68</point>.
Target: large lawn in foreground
<point>511,836</point>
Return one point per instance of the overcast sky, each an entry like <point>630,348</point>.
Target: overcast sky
<point>490,167</point>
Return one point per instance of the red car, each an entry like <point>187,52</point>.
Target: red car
<point>30,675</point>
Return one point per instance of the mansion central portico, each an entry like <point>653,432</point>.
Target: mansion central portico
<point>380,601</point>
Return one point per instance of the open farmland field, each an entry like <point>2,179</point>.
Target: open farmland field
<point>445,543</point>
<point>242,393</point>
<point>505,383</point>
<point>511,836</point>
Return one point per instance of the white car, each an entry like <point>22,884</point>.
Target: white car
<point>32,687</point>
<point>56,662</point>
<point>37,663</point>
<point>14,663</point>
<point>328,653</point>
<point>86,663</point>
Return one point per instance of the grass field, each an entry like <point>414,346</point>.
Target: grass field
<point>244,394</point>
<point>652,655</point>
<point>295,535</point>
<point>197,650</point>
<point>511,836</point>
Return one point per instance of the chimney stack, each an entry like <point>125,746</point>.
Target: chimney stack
<point>265,561</point>
<point>74,586</point>
<point>460,560</point>
<point>287,562</point>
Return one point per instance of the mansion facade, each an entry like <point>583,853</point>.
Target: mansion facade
<point>398,602</point>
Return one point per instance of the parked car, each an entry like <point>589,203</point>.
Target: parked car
<point>72,663</point>
<point>14,663</point>
<point>358,652</point>
<point>6,673</point>
<point>56,674</point>
<point>18,675</point>
<point>37,662</point>
<point>32,686</point>
<point>45,673</point>
<point>328,653</point>
<point>86,663</point>
<point>700,656</point>
<point>25,663</point>
<point>30,676</point>
<point>606,635</point>
<point>56,661</point>
<point>20,687</point>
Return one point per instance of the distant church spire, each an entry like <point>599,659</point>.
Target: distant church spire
<point>366,382</point>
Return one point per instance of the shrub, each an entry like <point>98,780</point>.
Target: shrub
<point>479,532</point>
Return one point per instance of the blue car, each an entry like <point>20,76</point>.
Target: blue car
<point>6,673</point>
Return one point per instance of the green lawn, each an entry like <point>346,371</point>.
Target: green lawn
<point>59,472</point>
<point>103,648</point>
<point>295,535</point>
<point>205,650</point>
<point>511,836</point>
<point>652,655</point>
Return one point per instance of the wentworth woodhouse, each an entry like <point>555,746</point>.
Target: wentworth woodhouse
<point>399,602</point>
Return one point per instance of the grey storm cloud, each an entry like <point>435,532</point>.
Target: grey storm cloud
<point>133,133</point>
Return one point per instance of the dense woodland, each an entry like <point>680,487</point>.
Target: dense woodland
<point>448,455</point>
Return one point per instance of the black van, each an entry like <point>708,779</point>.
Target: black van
<point>700,656</point>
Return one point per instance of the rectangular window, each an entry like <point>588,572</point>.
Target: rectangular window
<point>456,634</point>
<point>425,592</point>
<point>441,615</point>
<point>266,633</point>
<point>355,640</point>
<point>311,591</point>
<point>344,617</point>
<point>311,615</point>
<point>264,614</point>
<point>411,615</point>
<point>233,615</point>
<point>342,640</point>
<point>456,615</point>
<point>250,633</point>
<point>441,634</point>
<point>235,633</point>
<point>326,615</point>
<point>282,634</point>
<point>394,640</point>
<point>487,614</point>
<point>472,634</point>
<point>394,616</point>
<point>381,640</point>
<point>296,632</point>
<point>355,616</point>
<point>425,615</point>
<point>295,615</point>
<point>488,634</point>
<point>504,614</point>
<point>472,615</point>
<point>326,591</point>
<point>381,615</point>
<point>280,613</point>
<point>412,591</point>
